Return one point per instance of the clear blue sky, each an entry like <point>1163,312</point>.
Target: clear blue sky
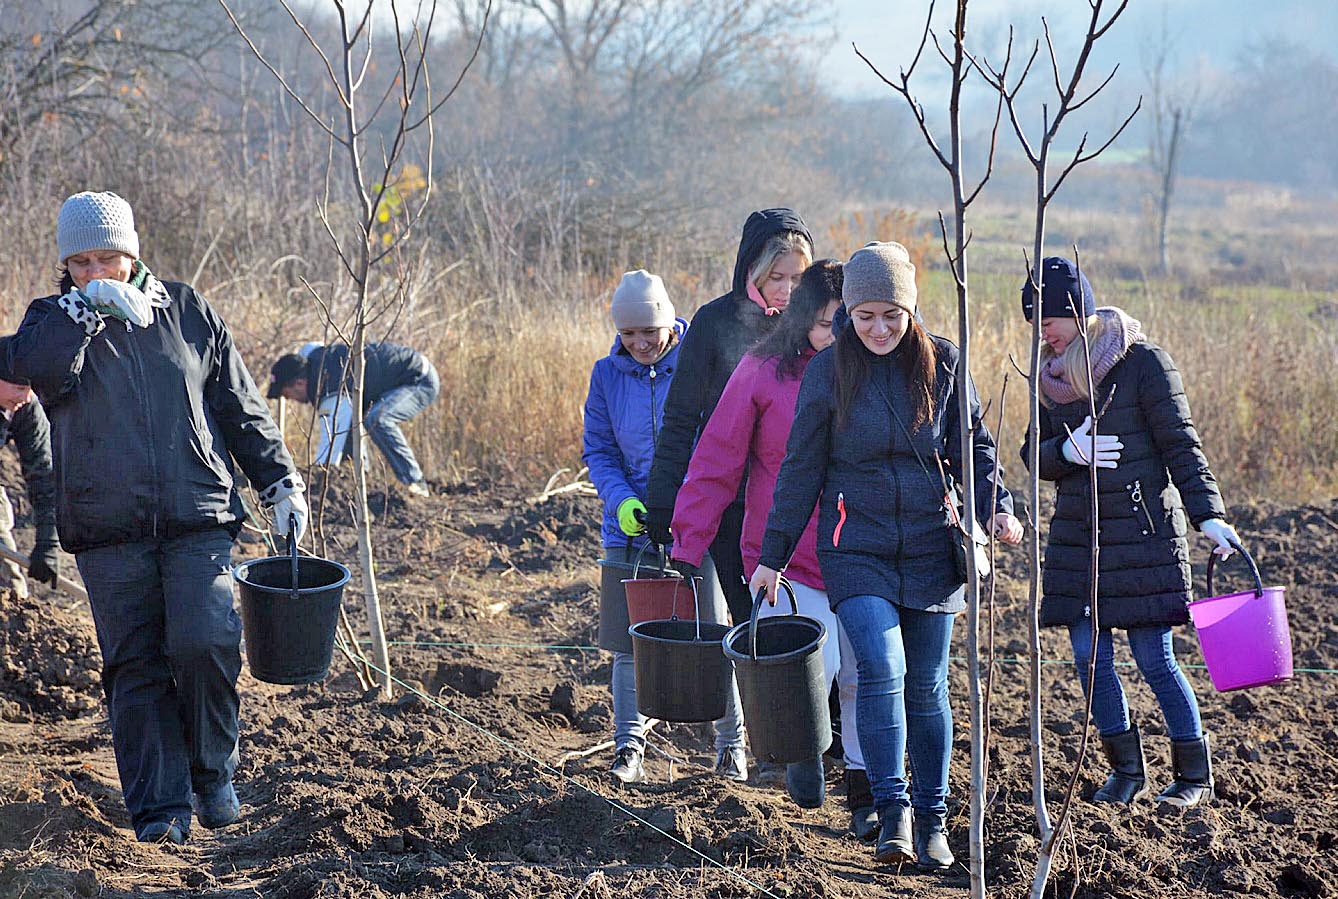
<point>888,31</point>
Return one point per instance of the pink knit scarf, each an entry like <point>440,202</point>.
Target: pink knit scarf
<point>1122,331</point>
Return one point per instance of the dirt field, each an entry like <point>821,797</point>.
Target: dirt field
<point>458,795</point>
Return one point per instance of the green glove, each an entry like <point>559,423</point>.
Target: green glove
<point>632,516</point>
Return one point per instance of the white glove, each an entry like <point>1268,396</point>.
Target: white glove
<point>294,504</point>
<point>130,300</point>
<point>1224,534</point>
<point>1079,447</point>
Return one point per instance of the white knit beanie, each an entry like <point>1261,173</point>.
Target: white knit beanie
<point>96,221</point>
<point>879,272</point>
<point>641,302</point>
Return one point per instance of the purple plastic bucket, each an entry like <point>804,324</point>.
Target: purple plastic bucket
<point>1244,636</point>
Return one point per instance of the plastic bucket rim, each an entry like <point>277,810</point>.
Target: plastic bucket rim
<point>1251,594</point>
<point>741,630</point>
<point>344,575</point>
<point>704,641</point>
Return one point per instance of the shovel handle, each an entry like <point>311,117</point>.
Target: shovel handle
<point>757,608</point>
<point>1254,569</point>
<point>64,583</point>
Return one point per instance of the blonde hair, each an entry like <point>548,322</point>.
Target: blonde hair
<point>778,245</point>
<point>1072,361</point>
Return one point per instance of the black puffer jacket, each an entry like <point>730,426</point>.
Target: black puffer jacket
<point>1144,574</point>
<point>882,525</point>
<point>721,332</point>
<point>31,433</point>
<point>144,420</point>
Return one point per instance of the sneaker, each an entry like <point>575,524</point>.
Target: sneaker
<point>218,808</point>
<point>732,763</point>
<point>419,488</point>
<point>628,765</point>
<point>770,774</point>
<point>161,832</point>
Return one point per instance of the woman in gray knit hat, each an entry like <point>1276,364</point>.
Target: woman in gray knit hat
<point>624,411</point>
<point>874,415</point>
<point>150,403</point>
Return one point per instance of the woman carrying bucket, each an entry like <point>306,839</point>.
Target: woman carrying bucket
<point>149,402</point>
<point>873,412</point>
<point>1151,475</point>
<point>623,411</point>
<point>774,250</point>
<point>747,433</point>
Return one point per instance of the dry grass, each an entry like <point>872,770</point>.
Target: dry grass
<point>1259,354</point>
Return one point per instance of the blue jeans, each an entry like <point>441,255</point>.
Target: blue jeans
<point>1155,657</point>
<point>901,656</point>
<point>629,725</point>
<point>170,643</point>
<point>393,408</point>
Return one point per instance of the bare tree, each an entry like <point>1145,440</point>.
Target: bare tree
<point>94,65</point>
<point>1039,156</point>
<point>959,66</point>
<point>379,131</point>
<point>1173,104</point>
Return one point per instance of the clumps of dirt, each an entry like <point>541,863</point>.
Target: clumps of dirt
<point>49,664</point>
<point>582,706</point>
<point>471,680</point>
<point>542,536</point>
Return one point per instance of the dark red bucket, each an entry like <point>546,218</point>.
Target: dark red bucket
<point>657,599</point>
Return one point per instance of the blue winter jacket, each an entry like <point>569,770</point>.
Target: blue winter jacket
<point>623,413</point>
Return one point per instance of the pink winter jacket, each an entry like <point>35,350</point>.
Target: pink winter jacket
<point>746,433</point>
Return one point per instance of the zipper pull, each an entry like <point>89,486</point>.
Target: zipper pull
<point>841,520</point>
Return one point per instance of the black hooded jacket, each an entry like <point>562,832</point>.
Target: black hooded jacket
<point>386,366</point>
<point>145,422</point>
<point>721,332</point>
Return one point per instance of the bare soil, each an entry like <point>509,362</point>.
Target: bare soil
<point>455,787</point>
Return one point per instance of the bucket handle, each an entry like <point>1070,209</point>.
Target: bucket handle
<point>757,607</point>
<point>1254,570</point>
<point>292,551</point>
<point>636,563</point>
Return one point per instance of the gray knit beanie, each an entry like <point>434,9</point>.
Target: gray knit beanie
<point>641,302</point>
<point>96,221</point>
<point>880,272</point>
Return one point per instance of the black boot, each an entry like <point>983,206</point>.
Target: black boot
<point>894,837</point>
<point>859,799</point>
<point>1193,766</point>
<point>931,843</point>
<point>1127,782</point>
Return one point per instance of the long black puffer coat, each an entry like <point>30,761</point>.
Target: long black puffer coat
<point>1144,574</point>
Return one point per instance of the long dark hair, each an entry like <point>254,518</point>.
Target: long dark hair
<point>818,285</point>
<point>914,355</point>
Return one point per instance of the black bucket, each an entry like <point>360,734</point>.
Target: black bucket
<point>681,670</point>
<point>778,662</point>
<point>290,630</point>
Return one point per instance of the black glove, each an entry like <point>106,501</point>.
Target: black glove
<point>657,524</point>
<point>687,569</point>
<point>44,564</point>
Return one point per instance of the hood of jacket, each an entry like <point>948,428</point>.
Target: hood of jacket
<point>759,228</point>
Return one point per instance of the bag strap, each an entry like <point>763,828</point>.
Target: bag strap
<point>954,517</point>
